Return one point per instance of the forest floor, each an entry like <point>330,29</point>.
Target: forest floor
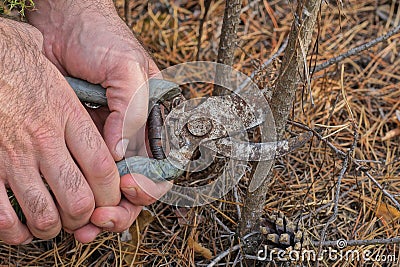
<point>360,94</point>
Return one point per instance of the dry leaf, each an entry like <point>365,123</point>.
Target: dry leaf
<point>391,134</point>
<point>387,213</point>
<point>198,248</point>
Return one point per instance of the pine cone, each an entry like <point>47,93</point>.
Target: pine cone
<point>282,233</point>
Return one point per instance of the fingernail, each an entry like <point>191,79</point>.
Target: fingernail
<point>121,147</point>
<point>26,242</point>
<point>131,191</point>
<point>108,224</point>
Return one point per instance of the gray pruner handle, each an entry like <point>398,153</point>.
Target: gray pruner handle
<point>88,92</point>
<point>156,170</point>
<point>159,90</point>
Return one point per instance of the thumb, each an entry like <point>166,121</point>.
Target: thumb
<point>128,103</point>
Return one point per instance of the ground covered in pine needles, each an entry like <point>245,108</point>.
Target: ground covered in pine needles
<point>359,96</point>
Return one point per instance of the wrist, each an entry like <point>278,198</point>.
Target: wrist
<point>63,14</point>
<point>61,21</point>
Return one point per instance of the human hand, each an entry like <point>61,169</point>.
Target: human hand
<point>87,40</point>
<point>45,131</point>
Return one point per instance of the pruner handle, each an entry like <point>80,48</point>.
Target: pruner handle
<point>159,91</point>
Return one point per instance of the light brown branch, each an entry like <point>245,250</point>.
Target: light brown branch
<point>356,50</point>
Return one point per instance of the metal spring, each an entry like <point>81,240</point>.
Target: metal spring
<point>155,127</point>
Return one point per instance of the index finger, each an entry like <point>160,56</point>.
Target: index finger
<point>93,157</point>
<point>127,100</point>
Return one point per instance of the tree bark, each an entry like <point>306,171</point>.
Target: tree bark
<point>281,103</point>
<point>293,63</point>
<point>227,44</point>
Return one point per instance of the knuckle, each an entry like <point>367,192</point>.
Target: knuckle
<point>7,220</point>
<point>46,138</point>
<point>48,226</point>
<point>36,203</point>
<point>105,169</point>
<point>43,134</point>
<point>16,239</point>
<point>42,218</point>
<point>82,207</point>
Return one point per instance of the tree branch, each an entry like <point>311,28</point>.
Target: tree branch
<point>356,50</point>
<point>227,44</point>
<point>338,187</point>
<point>283,94</point>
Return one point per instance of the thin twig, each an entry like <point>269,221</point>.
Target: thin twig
<point>226,228</point>
<point>343,155</point>
<point>338,186</point>
<point>223,254</point>
<point>273,57</point>
<point>343,195</point>
<point>264,66</point>
<point>356,50</point>
<point>237,199</point>
<point>386,193</point>
<point>207,4</point>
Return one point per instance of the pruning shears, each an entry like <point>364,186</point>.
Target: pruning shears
<point>211,124</point>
